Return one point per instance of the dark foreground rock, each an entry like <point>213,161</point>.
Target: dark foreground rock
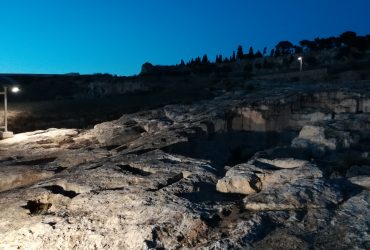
<point>237,172</point>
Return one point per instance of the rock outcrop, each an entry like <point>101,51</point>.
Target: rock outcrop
<point>240,171</point>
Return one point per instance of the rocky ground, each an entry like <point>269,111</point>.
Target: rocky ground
<point>279,166</point>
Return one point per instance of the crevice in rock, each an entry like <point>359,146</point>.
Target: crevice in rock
<point>59,169</point>
<point>97,191</point>
<point>207,193</point>
<point>212,220</point>
<point>229,148</point>
<point>170,181</point>
<point>141,151</point>
<point>52,224</point>
<point>154,242</point>
<point>120,148</point>
<point>133,170</point>
<point>55,189</point>
<point>111,147</point>
<point>94,167</point>
<point>40,161</point>
<point>37,207</point>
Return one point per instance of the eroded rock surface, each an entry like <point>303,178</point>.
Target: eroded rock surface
<point>241,171</point>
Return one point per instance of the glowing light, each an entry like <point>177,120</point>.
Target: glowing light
<point>15,89</point>
<point>300,58</point>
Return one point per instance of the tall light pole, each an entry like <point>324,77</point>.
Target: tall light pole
<point>300,59</point>
<point>7,134</point>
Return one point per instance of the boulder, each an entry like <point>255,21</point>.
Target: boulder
<point>250,179</point>
<point>300,194</point>
<point>240,180</point>
<point>311,136</point>
<point>110,133</point>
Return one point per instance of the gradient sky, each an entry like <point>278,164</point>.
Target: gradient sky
<point>118,36</point>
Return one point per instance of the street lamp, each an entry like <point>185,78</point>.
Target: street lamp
<point>300,59</point>
<point>7,134</point>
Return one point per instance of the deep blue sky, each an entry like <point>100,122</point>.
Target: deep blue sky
<point>118,36</point>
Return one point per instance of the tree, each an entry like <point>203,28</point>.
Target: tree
<point>264,51</point>
<point>205,60</point>
<point>258,54</point>
<point>182,63</point>
<point>233,57</point>
<point>272,53</point>
<point>240,53</point>
<point>197,61</point>
<point>308,45</point>
<point>348,38</point>
<point>219,59</point>
<point>284,48</point>
<point>251,53</point>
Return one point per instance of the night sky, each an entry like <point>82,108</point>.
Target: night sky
<point>118,36</point>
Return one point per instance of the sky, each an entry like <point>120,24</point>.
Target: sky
<point>118,36</point>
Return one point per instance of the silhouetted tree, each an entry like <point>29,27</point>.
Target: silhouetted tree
<point>250,53</point>
<point>264,51</point>
<point>205,60</point>
<point>197,61</point>
<point>272,53</point>
<point>258,54</point>
<point>348,38</point>
<point>233,57</point>
<point>182,63</point>
<point>284,48</point>
<point>324,43</point>
<point>240,53</point>
<point>308,45</point>
<point>219,59</point>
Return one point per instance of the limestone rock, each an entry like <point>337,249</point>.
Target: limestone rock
<point>115,134</point>
<point>361,180</point>
<point>311,136</point>
<point>284,163</point>
<point>239,180</point>
<point>303,193</point>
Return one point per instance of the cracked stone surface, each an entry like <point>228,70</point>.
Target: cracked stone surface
<point>241,171</point>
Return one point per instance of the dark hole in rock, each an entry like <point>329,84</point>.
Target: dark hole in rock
<point>229,148</point>
<point>208,194</point>
<point>52,224</point>
<point>59,169</point>
<point>180,238</point>
<point>170,181</point>
<point>168,161</point>
<point>37,207</point>
<point>120,148</point>
<point>226,212</point>
<point>111,147</point>
<point>55,189</point>
<point>132,170</point>
<point>35,162</point>
<point>211,220</point>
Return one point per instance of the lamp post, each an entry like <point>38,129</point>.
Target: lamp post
<point>300,59</point>
<point>7,134</point>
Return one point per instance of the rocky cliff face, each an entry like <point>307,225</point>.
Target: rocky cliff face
<point>282,167</point>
